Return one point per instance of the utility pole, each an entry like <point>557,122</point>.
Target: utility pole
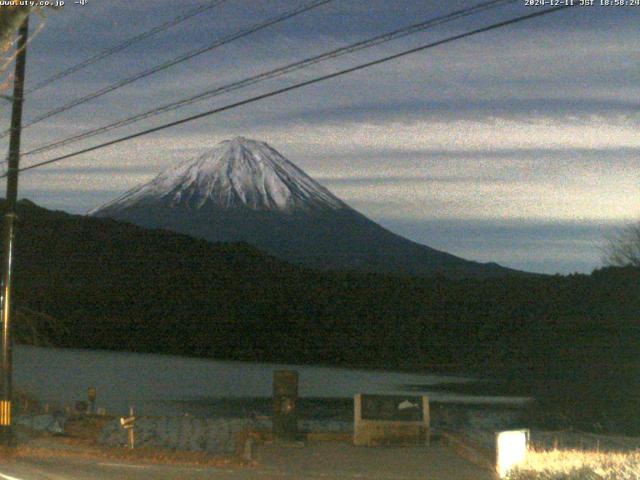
<point>6,427</point>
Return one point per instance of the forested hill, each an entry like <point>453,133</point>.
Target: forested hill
<point>105,284</point>
<point>114,285</point>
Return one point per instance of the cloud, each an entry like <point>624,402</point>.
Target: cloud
<point>546,247</point>
<point>536,122</point>
<point>497,169</point>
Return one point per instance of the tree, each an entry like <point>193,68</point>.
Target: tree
<point>11,17</point>
<point>10,20</point>
<point>623,248</point>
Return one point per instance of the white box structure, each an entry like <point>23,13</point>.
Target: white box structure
<point>511,450</point>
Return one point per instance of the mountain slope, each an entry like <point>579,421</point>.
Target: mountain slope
<point>244,190</point>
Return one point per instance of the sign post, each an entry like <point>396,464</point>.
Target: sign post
<point>128,423</point>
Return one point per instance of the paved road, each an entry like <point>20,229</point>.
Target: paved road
<point>321,461</point>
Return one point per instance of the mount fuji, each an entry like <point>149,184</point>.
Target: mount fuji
<point>244,190</point>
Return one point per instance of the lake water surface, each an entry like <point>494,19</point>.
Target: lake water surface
<point>171,385</point>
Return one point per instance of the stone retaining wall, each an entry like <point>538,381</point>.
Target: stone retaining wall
<point>195,434</point>
<point>180,433</point>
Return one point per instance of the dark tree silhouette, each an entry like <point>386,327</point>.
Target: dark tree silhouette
<point>623,248</point>
<point>10,20</point>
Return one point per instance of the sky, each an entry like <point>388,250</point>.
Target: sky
<point>518,146</point>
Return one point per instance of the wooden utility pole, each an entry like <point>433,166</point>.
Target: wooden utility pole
<point>6,424</point>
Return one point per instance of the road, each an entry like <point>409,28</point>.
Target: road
<point>320,461</point>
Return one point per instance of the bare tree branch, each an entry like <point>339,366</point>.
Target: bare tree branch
<point>623,248</point>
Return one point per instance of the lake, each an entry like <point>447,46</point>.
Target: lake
<point>171,385</point>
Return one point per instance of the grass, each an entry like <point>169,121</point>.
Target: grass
<point>578,465</point>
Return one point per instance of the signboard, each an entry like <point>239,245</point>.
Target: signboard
<point>391,420</point>
<point>392,408</point>
<point>127,422</point>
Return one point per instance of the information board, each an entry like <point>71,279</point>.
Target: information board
<point>392,408</point>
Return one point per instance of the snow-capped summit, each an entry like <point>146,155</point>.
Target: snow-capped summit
<point>236,173</point>
<point>244,190</point>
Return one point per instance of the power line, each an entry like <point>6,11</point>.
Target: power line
<point>374,41</point>
<point>124,45</point>
<point>299,85</point>
<point>182,58</point>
